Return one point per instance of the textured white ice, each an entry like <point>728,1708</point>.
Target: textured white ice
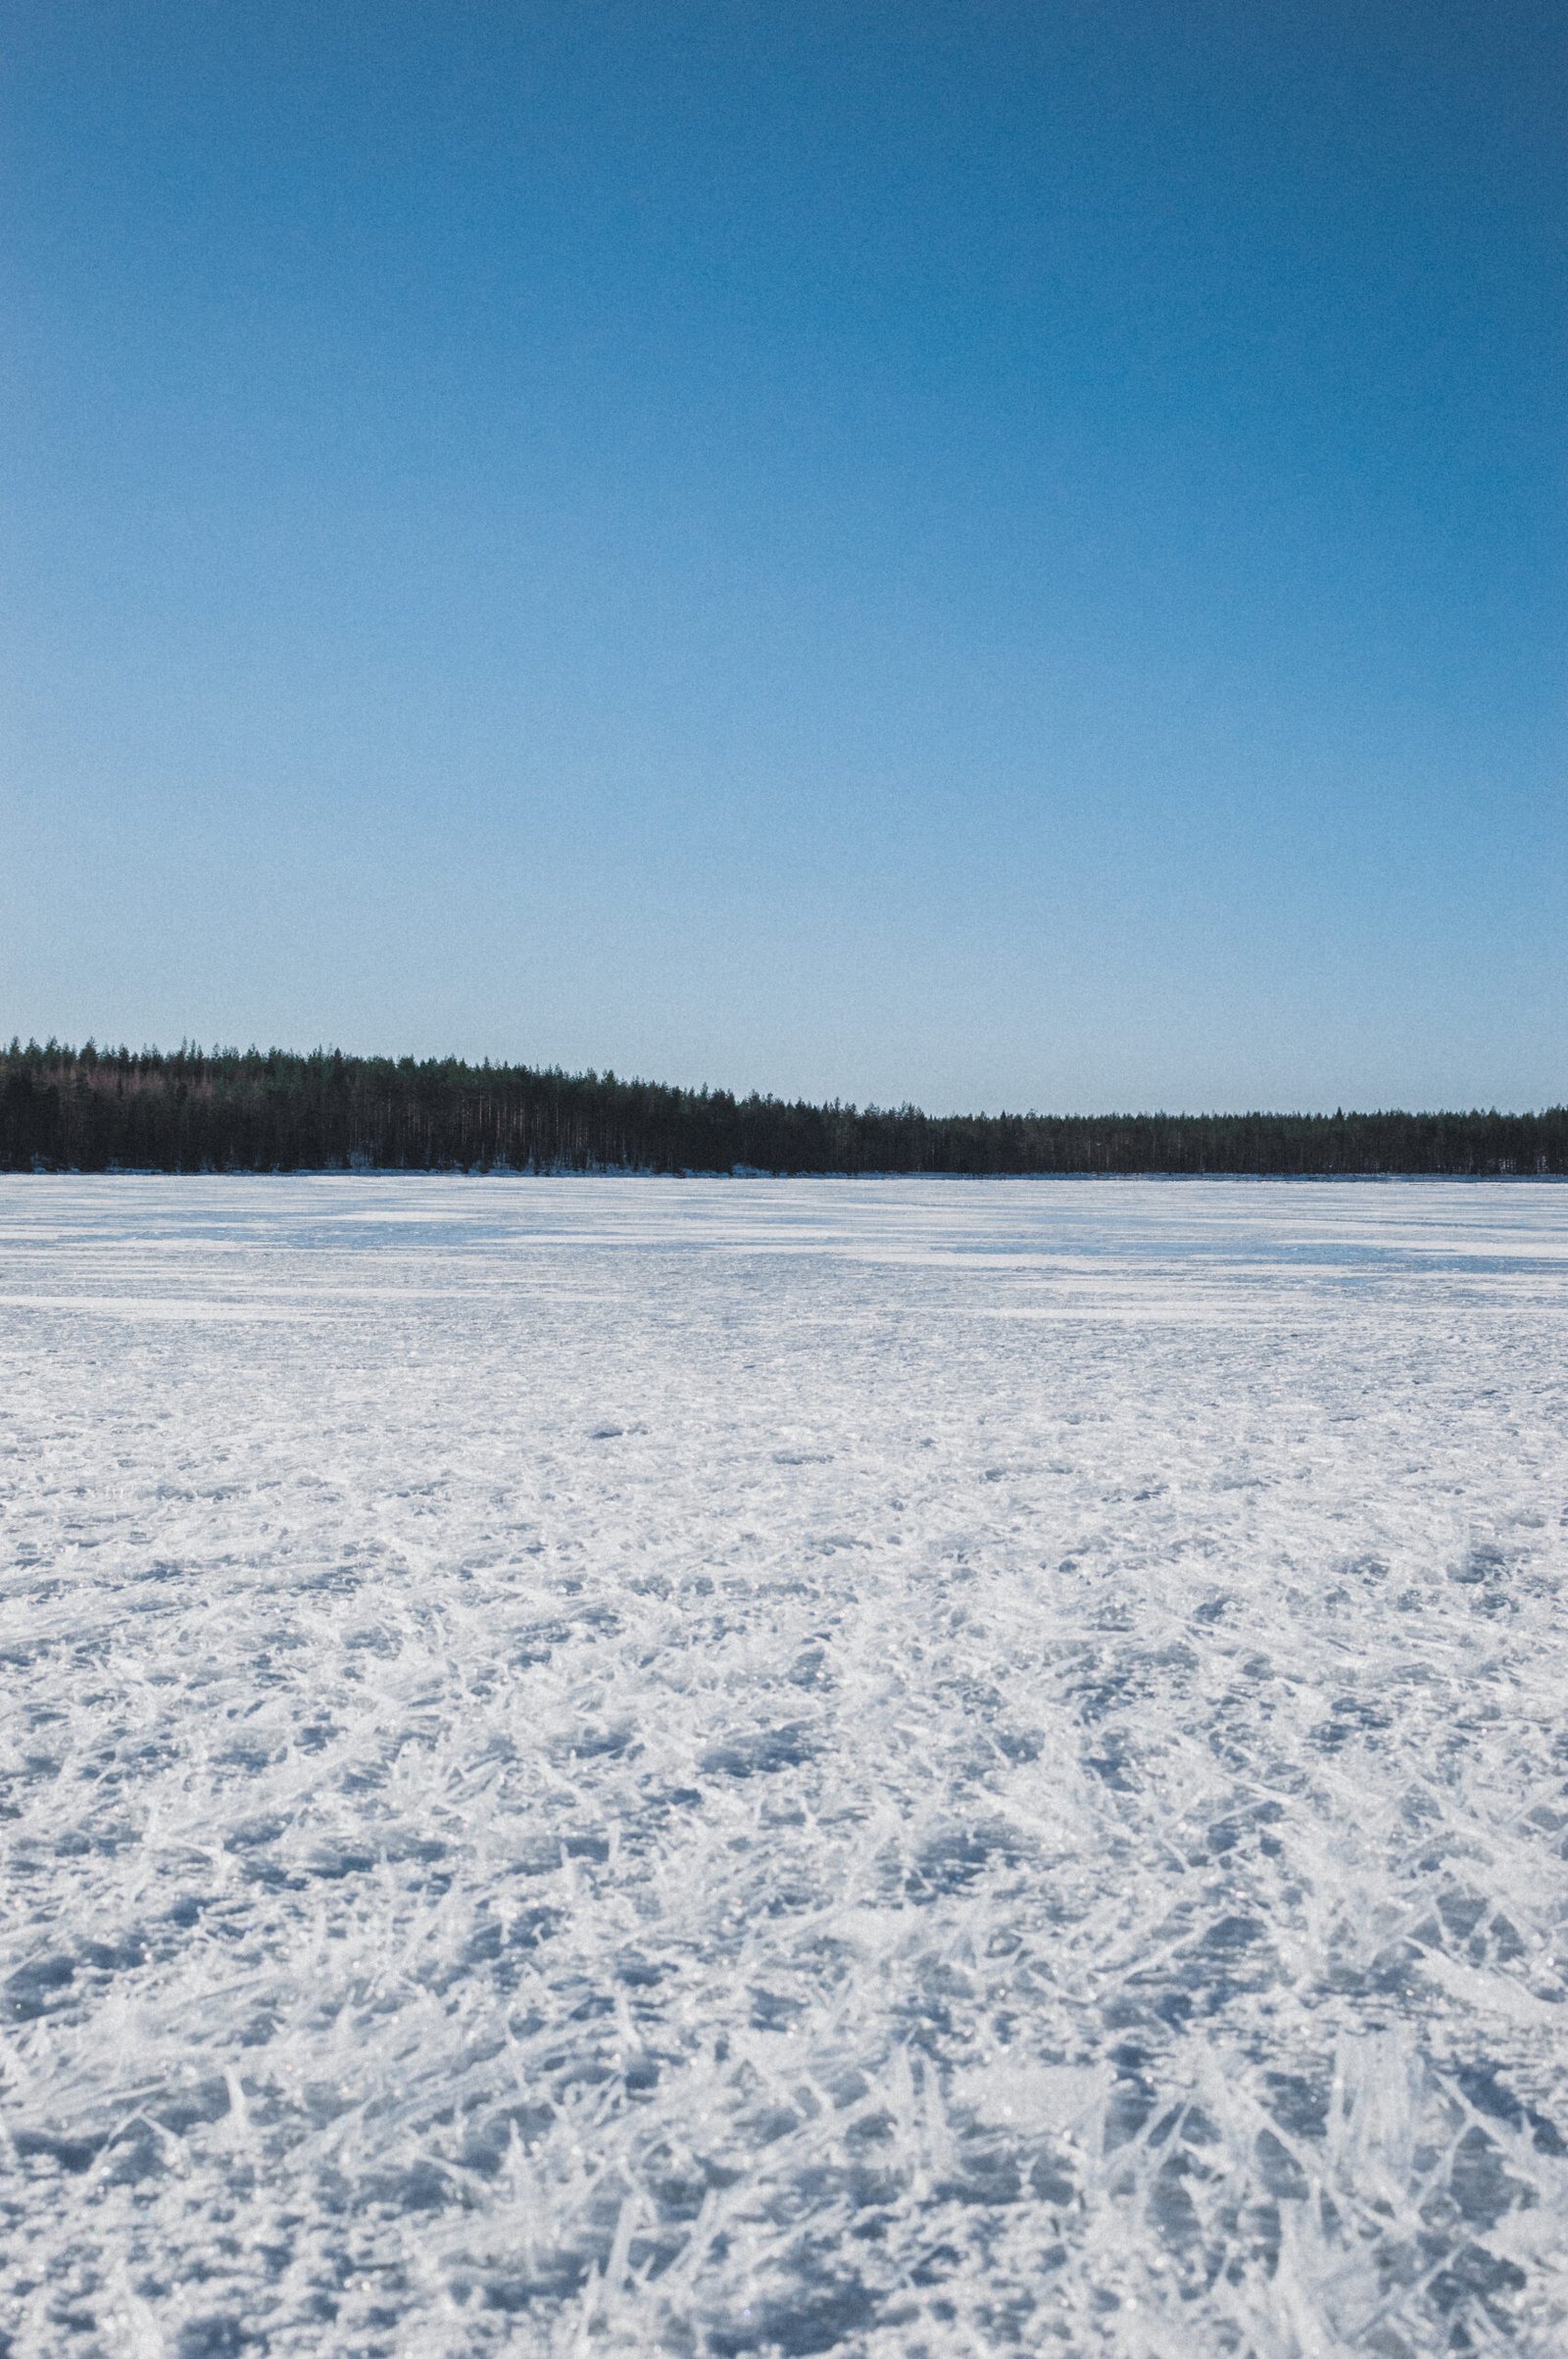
<point>893,1768</point>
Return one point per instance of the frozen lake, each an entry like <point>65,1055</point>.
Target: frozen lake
<point>898,1768</point>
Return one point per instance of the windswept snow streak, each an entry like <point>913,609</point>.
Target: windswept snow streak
<point>740,1768</point>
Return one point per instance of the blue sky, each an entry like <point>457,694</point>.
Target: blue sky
<point>993,554</point>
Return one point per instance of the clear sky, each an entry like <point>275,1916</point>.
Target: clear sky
<point>1006,552</point>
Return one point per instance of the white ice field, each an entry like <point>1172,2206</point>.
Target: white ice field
<point>893,1768</point>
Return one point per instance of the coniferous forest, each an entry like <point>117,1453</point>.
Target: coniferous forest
<point>231,1109</point>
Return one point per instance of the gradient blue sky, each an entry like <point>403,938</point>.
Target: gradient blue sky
<point>988,552</point>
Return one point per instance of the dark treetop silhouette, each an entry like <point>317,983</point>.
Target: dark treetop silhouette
<point>99,1109</point>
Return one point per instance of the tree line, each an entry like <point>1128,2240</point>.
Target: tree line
<point>231,1109</point>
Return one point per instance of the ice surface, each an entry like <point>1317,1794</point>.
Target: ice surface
<point>740,1768</point>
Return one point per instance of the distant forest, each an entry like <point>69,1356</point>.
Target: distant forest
<point>231,1109</point>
